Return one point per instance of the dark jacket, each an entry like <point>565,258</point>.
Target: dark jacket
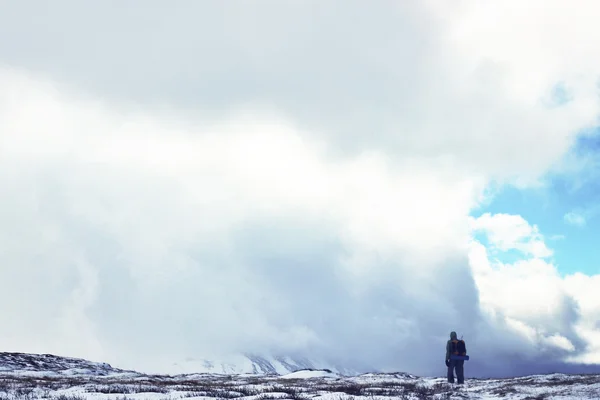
<point>449,344</point>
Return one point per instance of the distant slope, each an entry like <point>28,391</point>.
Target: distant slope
<point>48,363</point>
<point>253,364</point>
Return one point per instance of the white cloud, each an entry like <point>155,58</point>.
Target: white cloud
<point>539,304</point>
<point>239,234</point>
<point>453,77</point>
<point>506,232</point>
<point>581,215</point>
<point>573,218</point>
<point>583,289</point>
<point>317,204</point>
<point>557,237</point>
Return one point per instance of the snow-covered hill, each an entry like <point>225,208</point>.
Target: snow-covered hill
<point>253,364</point>
<point>29,376</point>
<point>48,364</point>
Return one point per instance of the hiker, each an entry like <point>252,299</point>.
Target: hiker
<point>452,365</point>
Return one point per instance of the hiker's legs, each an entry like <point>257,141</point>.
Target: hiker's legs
<point>451,371</point>
<point>460,371</point>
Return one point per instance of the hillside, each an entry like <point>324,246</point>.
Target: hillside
<point>30,376</point>
<point>48,364</point>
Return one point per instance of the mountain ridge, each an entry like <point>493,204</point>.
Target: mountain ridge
<point>33,362</point>
<point>250,363</point>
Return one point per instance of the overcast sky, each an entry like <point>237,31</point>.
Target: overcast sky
<point>195,179</point>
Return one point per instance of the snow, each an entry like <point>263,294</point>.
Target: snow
<point>307,374</point>
<point>30,377</point>
<point>248,364</point>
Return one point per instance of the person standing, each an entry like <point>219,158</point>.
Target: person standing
<point>454,365</point>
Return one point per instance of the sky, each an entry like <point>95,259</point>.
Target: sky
<point>319,179</point>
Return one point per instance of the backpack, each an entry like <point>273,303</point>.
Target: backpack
<point>457,347</point>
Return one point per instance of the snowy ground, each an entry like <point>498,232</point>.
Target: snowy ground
<point>49,377</point>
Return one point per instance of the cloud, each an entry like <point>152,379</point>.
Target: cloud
<point>555,314</point>
<point>168,240</point>
<point>151,241</point>
<point>451,76</point>
<point>573,218</point>
<point>581,216</point>
<point>237,181</point>
<point>507,232</point>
